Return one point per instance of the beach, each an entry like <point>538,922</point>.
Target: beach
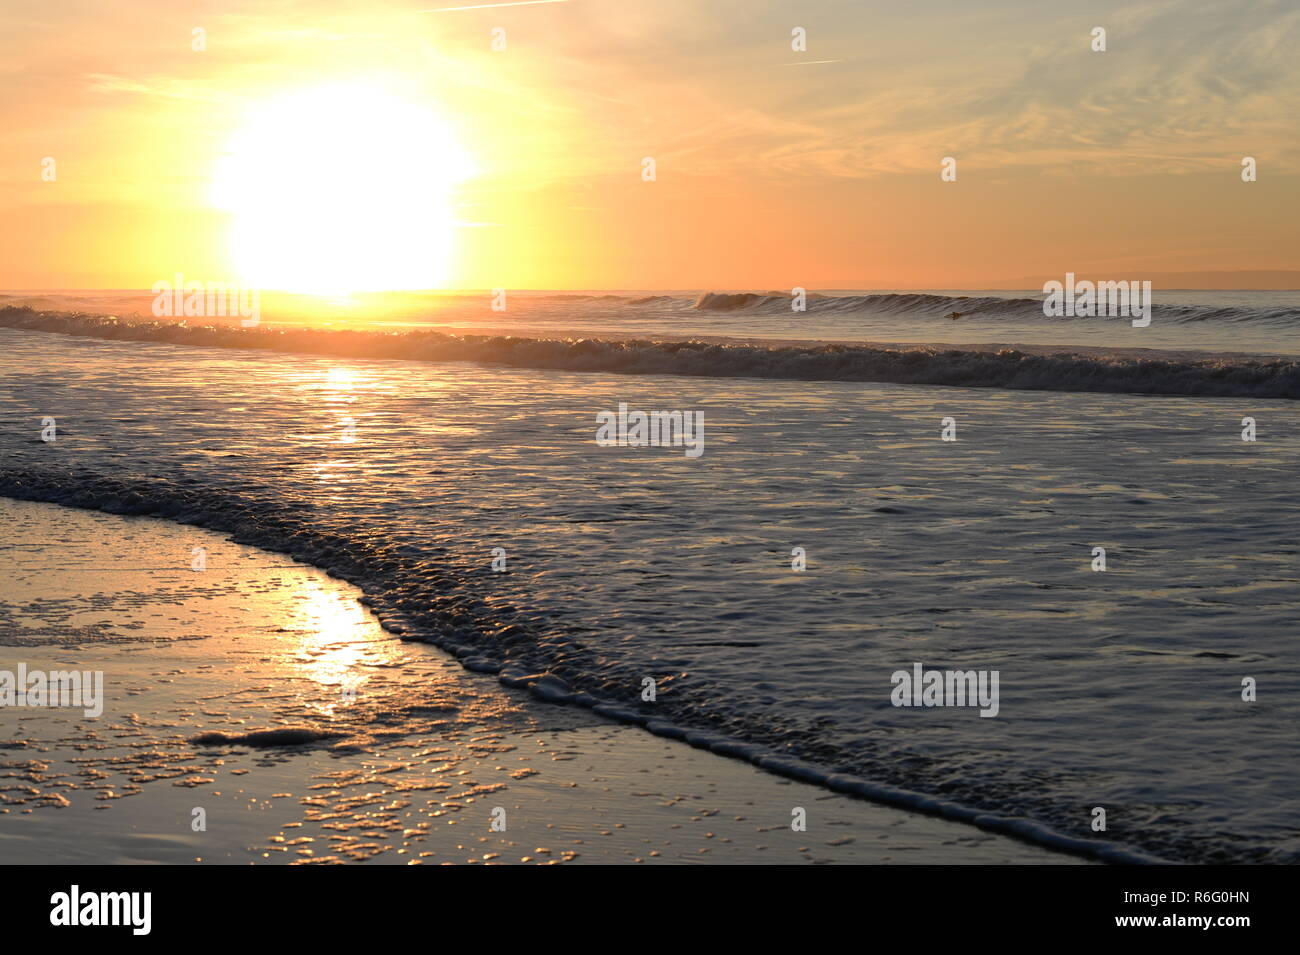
<point>415,753</point>
<point>830,535</point>
<point>551,432</point>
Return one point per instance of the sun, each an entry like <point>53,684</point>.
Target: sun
<point>341,188</point>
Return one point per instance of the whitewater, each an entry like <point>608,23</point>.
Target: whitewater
<point>399,457</point>
<point>1206,322</point>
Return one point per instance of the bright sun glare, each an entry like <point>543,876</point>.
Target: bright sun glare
<point>339,189</point>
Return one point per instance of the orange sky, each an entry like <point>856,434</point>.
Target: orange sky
<point>773,168</point>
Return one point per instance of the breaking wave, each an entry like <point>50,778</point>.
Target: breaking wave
<point>1211,376</point>
<point>964,306</point>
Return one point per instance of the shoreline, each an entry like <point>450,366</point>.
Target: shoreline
<point>571,783</point>
<point>599,595</point>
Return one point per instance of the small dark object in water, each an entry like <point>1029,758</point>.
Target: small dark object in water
<point>954,315</point>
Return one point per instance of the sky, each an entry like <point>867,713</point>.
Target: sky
<point>379,144</point>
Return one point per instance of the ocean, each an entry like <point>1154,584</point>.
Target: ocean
<point>882,485</point>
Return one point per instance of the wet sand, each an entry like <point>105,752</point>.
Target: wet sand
<point>416,757</point>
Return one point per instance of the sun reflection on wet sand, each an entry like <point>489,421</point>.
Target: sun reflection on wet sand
<point>336,641</point>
